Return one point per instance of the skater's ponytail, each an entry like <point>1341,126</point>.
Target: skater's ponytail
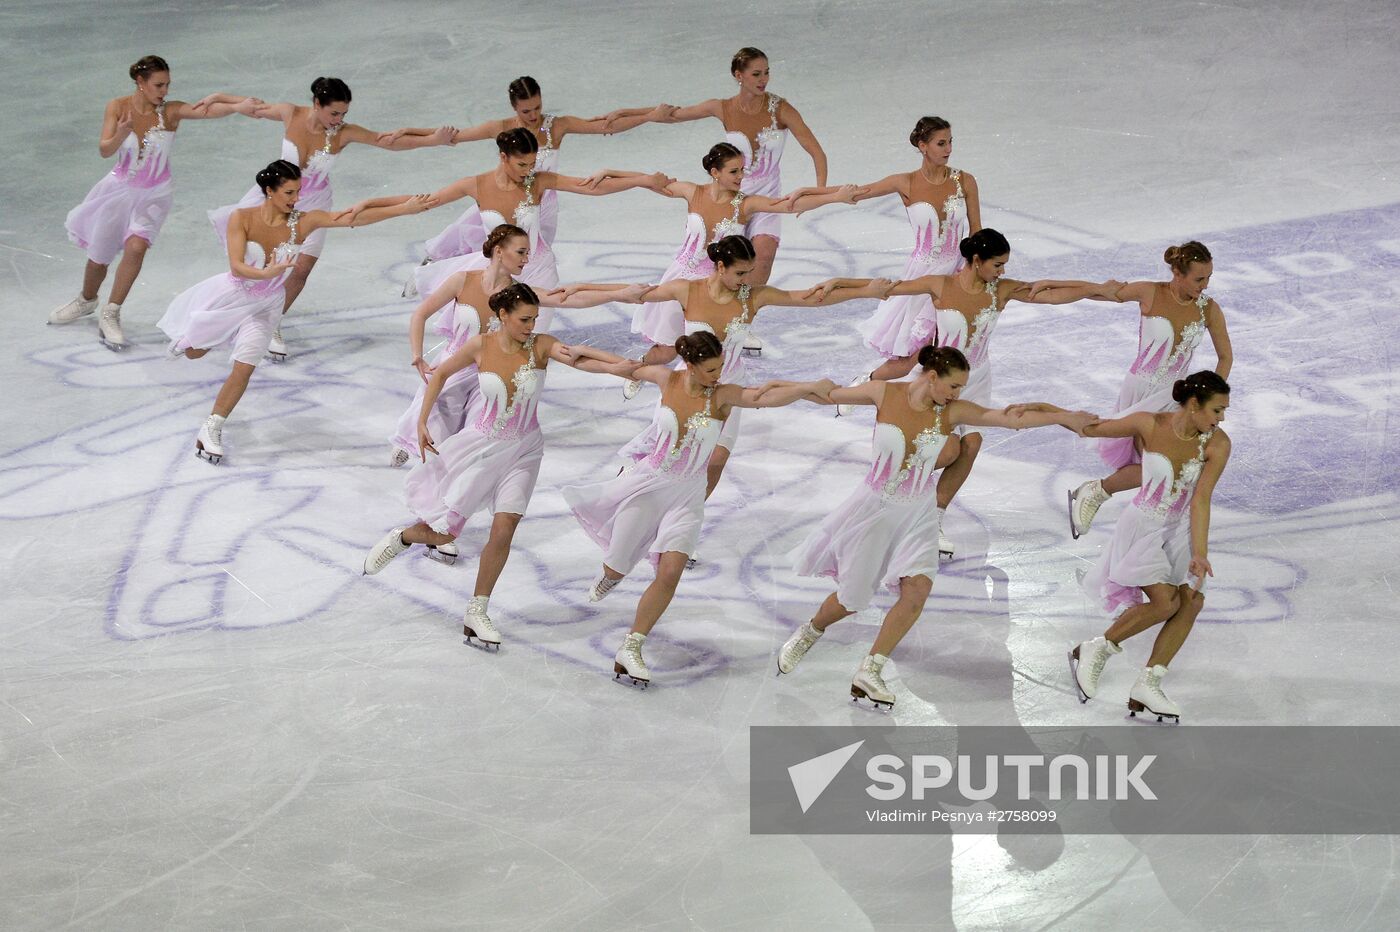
<point>272,177</point>
<point>523,88</point>
<point>507,299</point>
<point>985,244</point>
<point>925,128</point>
<point>719,155</point>
<point>1181,257</point>
<point>327,91</point>
<point>744,57</point>
<point>147,67</point>
<point>697,347</point>
<point>499,235</point>
<point>731,249</point>
<point>1200,386</point>
<point>518,141</point>
<point>942,360</point>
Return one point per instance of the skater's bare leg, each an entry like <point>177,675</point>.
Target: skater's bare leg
<point>1162,603</point>
<point>913,593</point>
<point>496,552</point>
<point>659,594</point>
<point>133,255</point>
<point>296,280</point>
<point>420,533</point>
<point>1176,628</point>
<point>829,613</point>
<point>93,275</point>
<point>234,386</point>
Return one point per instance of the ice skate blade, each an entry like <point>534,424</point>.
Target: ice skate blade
<point>1134,707</point>
<point>857,694</point>
<point>1073,531</point>
<point>619,671</point>
<point>1074,673</point>
<point>751,352</point>
<point>446,559</point>
<point>203,454</point>
<point>479,643</point>
<point>276,357</point>
<point>114,347</point>
<point>945,556</point>
<point>692,562</point>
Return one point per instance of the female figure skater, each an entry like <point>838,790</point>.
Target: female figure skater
<point>943,208</point>
<point>1176,315</point>
<point>494,460</point>
<point>656,506</point>
<point>313,138</point>
<point>510,193</point>
<point>886,532</point>
<point>124,211</point>
<point>716,210</point>
<point>1157,547</point>
<point>465,234</point>
<point>242,307</point>
<point>963,311</point>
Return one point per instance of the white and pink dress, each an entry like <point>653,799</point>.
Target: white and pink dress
<point>965,326</point>
<point>1152,541</point>
<point>315,191</point>
<point>661,322</point>
<point>465,235</point>
<point>227,309</point>
<point>890,331</point>
<point>761,171</point>
<point>1164,355</point>
<point>887,529</point>
<point>657,504</point>
<point>459,322</point>
<point>493,461</point>
<point>133,199</point>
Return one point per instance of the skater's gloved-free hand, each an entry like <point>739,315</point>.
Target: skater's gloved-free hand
<point>424,369</point>
<point>444,136</point>
<point>1200,568</point>
<point>389,138</point>
<point>425,442</point>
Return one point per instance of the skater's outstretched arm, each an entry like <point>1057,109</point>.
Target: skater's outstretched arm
<point>818,296</point>
<point>576,296</point>
<point>706,108</point>
<point>1018,417</point>
<point>801,203</point>
<point>619,121</point>
<point>364,213</point>
<point>898,183</point>
<point>657,181</point>
<point>586,358</point>
<point>216,106</point>
<point>1049,291</point>
<point>488,130</point>
<point>1134,425</point>
<point>462,187</point>
<point>399,140</point>
<point>869,393</point>
<point>772,395</point>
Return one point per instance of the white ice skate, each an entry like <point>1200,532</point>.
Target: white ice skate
<point>692,561</point>
<point>78,307</point>
<point>1147,696</point>
<point>796,647</point>
<point>1084,503</point>
<point>845,410</point>
<point>601,587</point>
<point>410,287</point>
<point>109,327</point>
<point>209,445</point>
<point>628,661</point>
<point>753,346</point>
<point>869,682</point>
<point>945,547</point>
<point>389,546</point>
<point>630,388</point>
<point>477,624</point>
<point>444,553</point>
<point>277,347</point>
<point>398,457</point>
<point>1086,663</point>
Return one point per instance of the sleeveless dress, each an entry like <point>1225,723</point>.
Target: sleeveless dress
<point>539,273</point>
<point>761,174</point>
<point>494,460</point>
<point>465,235</point>
<point>133,199</point>
<point>315,191</point>
<point>1152,540</point>
<point>656,505</point>
<point>949,326</point>
<point>662,322</point>
<point>1164,355</point>
<point>225,308</point>
<point>887,528</point>
<point>734,370</point>
<point>459,321</point>
<point>888,331</point>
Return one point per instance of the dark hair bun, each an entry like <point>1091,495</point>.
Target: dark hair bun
<point>731,249</point>
<point>985,244</point>
<point>719,154</point>
<point>507,298</point>
<point>147,66</point>
<point>499,235</point>
<point>699,346</point>
<point>518,141</point>
<point>1181,257</point>
<point>271,177</point>
<point>523,88</point>
<point>743,58</point>
<point>942,359</point>
<point>925,128</point>
<point>1201,386</point>
<point>326,91</point>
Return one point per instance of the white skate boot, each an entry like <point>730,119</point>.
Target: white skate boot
<point>1086,662</point>
<point>1084,503</point>
<point>630,388</point>
<point>389,546</point>
<point>869,682</point>
<point>78,307</point>
<point>445,554</point>
<point>398,457</point>
<point>945,547</point>
<point>628,661</point>
<point>277,347</point>
<point>600,588</point>
<point>209,445</point>
<point>1147,696</point>
<point>477,624</point>
<point>845,410</point>
<point>410,287</point>
<point>796,647</point>
<point>109,327</point>
<point>753,346</point>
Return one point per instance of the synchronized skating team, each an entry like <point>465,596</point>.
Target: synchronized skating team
<point>490,279</point>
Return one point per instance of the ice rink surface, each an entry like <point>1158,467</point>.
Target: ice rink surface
<point>209,719</point>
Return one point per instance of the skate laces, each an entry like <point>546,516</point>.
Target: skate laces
<point>807,636</point>
<point>604,585</point>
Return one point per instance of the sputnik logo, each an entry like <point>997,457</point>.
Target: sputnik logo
<point>811,777</point>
